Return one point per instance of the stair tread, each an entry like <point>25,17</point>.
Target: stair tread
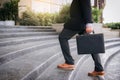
<point>17,29</point>
<point>88,66</point>
<point>112,69</point>
<point>108,54</point>
<point>64,75</point>
<point>61,75</point>
<point>76,57</point>
<point>34,52</point>
<point>25,33</point>
<point>24,27</point>
<point>11,48</point>
<point>25,30</point>
<point>28,62</point>
<point>58,74</point>
<point>29,37</point>
<point>37,37</point>
<point>8,53</point>
<point>21,68</point>
<point>117,42</point>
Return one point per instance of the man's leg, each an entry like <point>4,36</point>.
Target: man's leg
<point>64,36</point>
<point>98,66</point>
<point>97,62</point>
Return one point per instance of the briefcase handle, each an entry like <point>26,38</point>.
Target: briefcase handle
<point>93,32</point>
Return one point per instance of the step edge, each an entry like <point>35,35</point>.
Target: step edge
<point>36,70</point>
<point>17,41</point>
<point>30,74</point>
<point>72,76</point>
<point>9,56</point>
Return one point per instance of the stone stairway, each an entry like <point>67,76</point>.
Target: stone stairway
<point>32,53</point>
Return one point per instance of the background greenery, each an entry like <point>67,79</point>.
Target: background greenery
<point>29,18</point>
<point>40,19</point>
<point>47,19</point>
<point>9,11</point>
<point>113,25</point>
<point>96,14</point>
<point>64,14</point>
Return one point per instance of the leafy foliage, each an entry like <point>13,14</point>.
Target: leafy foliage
<point>113,25</point>
<point>9,10</point>
<point>96,14</point>
<point>47,19</point>
<point>40,19</point>
<point>29,18</point>
<point>64,14</point>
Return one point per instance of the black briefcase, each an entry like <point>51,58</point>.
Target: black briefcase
<point>90,44</point>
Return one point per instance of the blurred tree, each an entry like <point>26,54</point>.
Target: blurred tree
<point>100,4</point>
<point>10,10</point>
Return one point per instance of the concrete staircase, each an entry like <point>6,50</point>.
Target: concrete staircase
<point>32,53</point>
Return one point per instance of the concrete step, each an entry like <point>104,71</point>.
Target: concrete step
<point>112,67</point>
<point>109,45</point>
<point>29,37</point>
<point>60,74</point>
<point>5,30</point>
<point>53,73</point>
<point>10,52</point>
<point>26,27</point>
<point>33,71</point>
<point>88,66</point>
<point>112,40</point>
<point>24,34</point>
<point>12,48</point>
<point>27,63</point>
<point>21,40</point>
<point>19,67</point>
<point>27,54</point>
<point>106,58</point>
<point>108,33</point>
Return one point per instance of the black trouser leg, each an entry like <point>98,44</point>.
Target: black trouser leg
<point>97,62</point>
<point>64,36</point>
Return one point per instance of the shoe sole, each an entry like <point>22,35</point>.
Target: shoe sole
<point>70,69</point>
<point>102,74</point>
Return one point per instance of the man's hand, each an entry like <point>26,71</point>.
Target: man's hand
<point>89,28</point>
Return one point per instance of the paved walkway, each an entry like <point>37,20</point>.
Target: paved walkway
<point>108,33</point>
<point>113,68</point>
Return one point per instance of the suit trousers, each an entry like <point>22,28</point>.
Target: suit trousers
<point>64,36</point>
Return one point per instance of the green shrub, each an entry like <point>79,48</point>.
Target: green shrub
<point>64,14</point>
<point>54,17</point>
<point>46,19</point>
<point>9,11</point>
<point>96,13</point>
<point>2,14</point>
<point>113,25</point>
<point>40,19</point>
<point>29,18</point>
